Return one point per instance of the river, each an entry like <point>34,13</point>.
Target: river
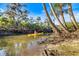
<point>22,45</point>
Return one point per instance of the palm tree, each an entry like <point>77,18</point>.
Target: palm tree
<point>56,17</point>
<point>72,16</point>
<point>54,28</point>
<point>60,5</point>
<point>59,10</point>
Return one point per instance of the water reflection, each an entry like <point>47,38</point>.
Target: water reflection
<point>20,45</point>
<point>2,52</point>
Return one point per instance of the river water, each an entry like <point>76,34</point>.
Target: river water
<point>22,45</point>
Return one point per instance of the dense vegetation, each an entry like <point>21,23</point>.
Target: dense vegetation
<point>15,19</point>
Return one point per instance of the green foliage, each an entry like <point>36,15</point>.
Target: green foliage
<point>69,25</point>
<point>8,23</point>
<point>16,18</point>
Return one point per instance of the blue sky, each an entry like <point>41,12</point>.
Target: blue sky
<point>36,9</point>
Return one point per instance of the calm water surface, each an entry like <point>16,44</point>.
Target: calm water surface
<point>21,45</point>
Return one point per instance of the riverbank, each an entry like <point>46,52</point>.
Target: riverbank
<point>58,46</point>
<point>29,33</point>
<point>67,48</point>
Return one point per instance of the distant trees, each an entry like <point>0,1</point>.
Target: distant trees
<point>15,18</point>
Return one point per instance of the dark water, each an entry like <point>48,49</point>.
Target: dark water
<point>21,45</point>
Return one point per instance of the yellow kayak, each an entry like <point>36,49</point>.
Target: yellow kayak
<point>37,34</point>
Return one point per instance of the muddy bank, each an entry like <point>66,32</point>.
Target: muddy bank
<point>62,47</point>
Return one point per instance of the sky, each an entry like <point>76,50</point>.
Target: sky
<point>36,10</point>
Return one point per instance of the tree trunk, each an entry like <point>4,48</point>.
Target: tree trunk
<point>54,28</point>
<point>62,15</point>
<point>72,16</point>
<point>56,17</point>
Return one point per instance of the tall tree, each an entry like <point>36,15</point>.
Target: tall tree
<point>72,15</point>
<point>54,28</point>
<point>16,11</point>
<point>60,5</point>
<point>56,17</point>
